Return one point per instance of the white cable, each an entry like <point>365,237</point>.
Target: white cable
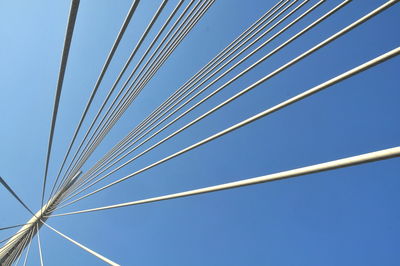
<point>99,80</point>
<point>345,162</point>
<point>218,59</point>
<point>91,176</point>
<point>74,166</point>
<point>27,251</point>
<point>266,112</point>
<point>63,65</point>
<point>82,246</point>
<point>89,149</point>
<point>39,245</point>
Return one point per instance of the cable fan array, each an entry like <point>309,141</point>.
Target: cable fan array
<point>75,180</point>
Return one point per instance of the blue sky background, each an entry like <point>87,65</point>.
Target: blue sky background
<point>343,217</point>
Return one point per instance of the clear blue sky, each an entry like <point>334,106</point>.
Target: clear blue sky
<point>343,217</point>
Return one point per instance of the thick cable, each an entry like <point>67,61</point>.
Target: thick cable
<point>67,44</point>
<point>331,165</point>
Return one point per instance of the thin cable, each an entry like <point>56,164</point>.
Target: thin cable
<point>27,251</point>
<point>188,6</point>
<point>23,247</point>
<point>266,112</point>
<point>100,78</point>
<point>13,254</point>
<point>140,144</point>
<point>320,45</point>
<point>89,149</point>
<point>152,74</point>
<point>82,246</point>
<point>245,58</point>
<point>39,245</point>
<point>211,62</point>
<point>310,51</point>
<point>107,125</point>
<point>148,48</point>
<point>67,44</point>
<point>262,28</point>
<point>18,248</point>
<point>13,226</point>
<point>4,183</point>
<point>149,130</point>
<point>198,76</point>
<point>137,46</point>
<point>155,17</point>
<point>18,232</point>
<point>129,100</point>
